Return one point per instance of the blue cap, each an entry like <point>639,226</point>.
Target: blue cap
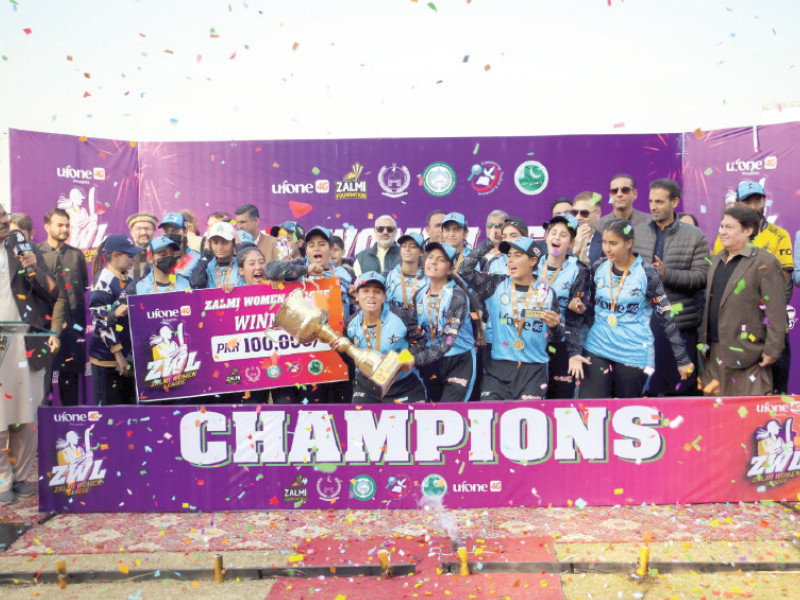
<point>320,230</point>
<point>365,278</point>
<point>412,237</point>
<point>565,218</point>
<point>118,242</point>
<point>159,243</point>
<point>448,250</point>
<point>173,218</point>
<point>749,188</point>
<point>455,217</point>
<point>523,244</point>
<point>245,238</point>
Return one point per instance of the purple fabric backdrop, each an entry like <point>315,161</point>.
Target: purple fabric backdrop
<point>715,163</point>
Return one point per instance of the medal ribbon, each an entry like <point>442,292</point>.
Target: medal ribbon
<point>225,273</point>
<point>413,290</point>
<point>621,283</point>
<point>433,319</point>
<point>521,321</point>
<point>368,337</point>
<point>155,286</point>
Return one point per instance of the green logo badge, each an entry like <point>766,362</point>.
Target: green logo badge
<point>274,372</point>
<point>531,177</point>
<point>315,367</point>
<point>363,487</point>
<point>439,179</point>
<point>434,486</point>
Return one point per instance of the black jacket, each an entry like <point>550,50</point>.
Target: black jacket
<point>35,297</point>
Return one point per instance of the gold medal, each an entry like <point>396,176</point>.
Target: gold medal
<point>519,345</point>
<point>612,320</point>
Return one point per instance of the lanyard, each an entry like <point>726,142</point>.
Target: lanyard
<point>548,283</point>
<point>169,289</point>
<point>460,258</point>
<point>521,321</point>
<point>433,318</point>
<point>225,273</point>
<point>413,290</point>
<point>612,318</point>
<point>368,337</point>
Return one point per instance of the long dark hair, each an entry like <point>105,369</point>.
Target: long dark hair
<point>100,259</point>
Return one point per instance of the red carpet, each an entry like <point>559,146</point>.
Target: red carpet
<point>427,553</point>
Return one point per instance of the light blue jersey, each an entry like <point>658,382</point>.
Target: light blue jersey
<point>227,274</point>
<point>394,335</point>
<point>464,340</point>
<point>630,342</point>
<point>146,283</point>
<point>535,333</point>
<point>394,287</point>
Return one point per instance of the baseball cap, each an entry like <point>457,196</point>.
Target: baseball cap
<point>411,237</point>
<point>222,229</point>
<point>291,227</point>
<point>567,219</point>
<point>245,238</point>
<point>455,217</point>
<point>369,276</point>
<point>518,224</point>
<point>161,242</point>
<point>523,244</point>
<point>173,218</point>
<point>448,250</point>
<point>749,188</point>
<point>319,230</point>
<point>118,242</point>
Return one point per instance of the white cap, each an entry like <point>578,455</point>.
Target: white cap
<point>222,229</point>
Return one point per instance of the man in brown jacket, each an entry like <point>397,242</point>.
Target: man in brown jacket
<point>744,321</point>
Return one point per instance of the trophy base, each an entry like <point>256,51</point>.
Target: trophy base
<point>385,374</point>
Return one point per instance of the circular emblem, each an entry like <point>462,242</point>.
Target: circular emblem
<point>439,179</point>
<point>505,299</point>
<point>329,488</point>
<point>434,486</point>
<point>363,487</point>
<point>394,181</point>
<point>274,372</point>
<point>398,486</point>
<point>294,368</point>
<point>531,177</point>
<point>315,367</point>
<point>485,177</point>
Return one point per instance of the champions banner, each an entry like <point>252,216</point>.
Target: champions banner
<point>208,342</point>
<point>239,457</point>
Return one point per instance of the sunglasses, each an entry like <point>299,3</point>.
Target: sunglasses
<point>384,228</point>
<point>495,225</point>
<point>625,189</point>
<point>583,213</point>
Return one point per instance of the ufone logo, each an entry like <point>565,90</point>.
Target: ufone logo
<point>467,487</point>
<point>69,417</point>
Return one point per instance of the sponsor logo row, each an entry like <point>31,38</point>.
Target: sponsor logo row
<point>437,179</point>
<point>364,487</point>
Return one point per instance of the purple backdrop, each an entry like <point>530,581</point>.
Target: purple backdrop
<point>715,163</point>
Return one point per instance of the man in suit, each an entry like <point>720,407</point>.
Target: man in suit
<point>744,321</point>
<point>247,220</point>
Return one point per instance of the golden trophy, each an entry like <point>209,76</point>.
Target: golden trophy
<point>308,323</point>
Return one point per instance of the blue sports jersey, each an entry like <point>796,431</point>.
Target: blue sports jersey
<point>187,263</point>
<point>631,341</point>
<point>145,284</point>
<point>394,287</point>
<point>535,332</point>
<point>228,274</point>
<point>394,335</point>
<point>453,326</point>
<point>497,264</point>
